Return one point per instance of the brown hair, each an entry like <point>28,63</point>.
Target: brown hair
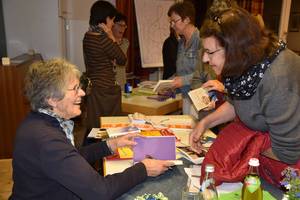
<point>183,9</point>
<point>245,42</point>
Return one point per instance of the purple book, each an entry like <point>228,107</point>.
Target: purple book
<point>156,147</point>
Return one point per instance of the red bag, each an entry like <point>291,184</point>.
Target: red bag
<point>233,148</point>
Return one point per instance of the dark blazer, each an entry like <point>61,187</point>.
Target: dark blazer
<point>47,166</point>
<point>169,56</point>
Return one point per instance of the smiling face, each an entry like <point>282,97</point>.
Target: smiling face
<point>213,54</point>
<point>119,29</point>
<point>69,106</point>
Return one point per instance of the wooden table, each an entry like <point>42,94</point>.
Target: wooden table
<point>142,104</point>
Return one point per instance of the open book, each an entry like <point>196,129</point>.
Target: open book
<point>115,132</point>
<point>163,85</point>
<point>200,98</point>
<point>191,155</point>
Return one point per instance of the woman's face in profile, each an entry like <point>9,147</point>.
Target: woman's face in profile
<point>213,54</point>
<point>69,106</point>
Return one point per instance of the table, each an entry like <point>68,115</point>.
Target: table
<point>142,104</point>
<point>171,183</point>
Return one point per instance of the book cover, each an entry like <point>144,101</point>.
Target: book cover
<point>163,85</point>
<point>191,155</point>
<point>115,132</point>
<point>156,147</point>
<point>200,98</point>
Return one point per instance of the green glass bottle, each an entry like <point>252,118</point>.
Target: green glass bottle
<point>252,186</point>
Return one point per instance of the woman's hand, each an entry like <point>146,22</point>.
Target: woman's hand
<point>108,31</point>
<point>156,167</point>
<point>122,141</point>
<point>177,82</point>
<point>195,136</point>
<point>213,85</point>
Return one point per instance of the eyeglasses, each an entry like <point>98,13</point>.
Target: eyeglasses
<point>173,22</point>
<point>211,53</point>
<point>76,89</point>
<point>121,25</point>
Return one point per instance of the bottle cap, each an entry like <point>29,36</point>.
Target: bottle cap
<point>209,168</point>
<point>254,162</point>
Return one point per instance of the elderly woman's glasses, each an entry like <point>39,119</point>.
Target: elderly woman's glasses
<point>173,22</point>
<point>76,88</point>
<point>121,25</point>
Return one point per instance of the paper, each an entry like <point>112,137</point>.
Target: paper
<point>194,174</point>
<point>125,153</point>
<point>156,147</point>
<point>200,98</point>
<point>236,195</point>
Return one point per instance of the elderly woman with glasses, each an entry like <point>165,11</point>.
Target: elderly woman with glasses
<point>261,76</point>
<point>118,30</point>
<point>188,64</point>
<point>46,164</point>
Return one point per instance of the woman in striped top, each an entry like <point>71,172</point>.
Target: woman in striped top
<point>101,53</point>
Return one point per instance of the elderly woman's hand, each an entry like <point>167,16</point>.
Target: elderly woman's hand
<point>156,167</point>
<point>122,141</point>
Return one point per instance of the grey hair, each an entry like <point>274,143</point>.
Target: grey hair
<point>48,79</point>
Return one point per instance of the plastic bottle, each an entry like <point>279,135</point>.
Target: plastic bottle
<point>127,89</point>
<point>252,186</point>
<point>208,188</point>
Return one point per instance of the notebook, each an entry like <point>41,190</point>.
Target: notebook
<point>156,147</point>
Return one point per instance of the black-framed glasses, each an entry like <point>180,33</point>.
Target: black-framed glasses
<point>173,22</point>
<point>121,25</point>
<point>211,53</point>
<point>76,88</point>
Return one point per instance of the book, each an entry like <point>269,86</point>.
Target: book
<point>200,98</point>
<point>115,132</point>
<point>191,155</point>
<point>156,147</point>
<point>162,85</point>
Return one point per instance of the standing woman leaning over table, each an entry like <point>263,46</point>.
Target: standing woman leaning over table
<point>46,164</point>
<point>101,52</point>
<point>262,78</point>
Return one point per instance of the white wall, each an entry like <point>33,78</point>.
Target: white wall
<point>35,24</point>
<point>32,24</point>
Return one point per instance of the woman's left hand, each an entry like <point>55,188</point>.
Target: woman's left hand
<point>122,141</point>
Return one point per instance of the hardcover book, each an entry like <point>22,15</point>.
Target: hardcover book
<point>163,85</point>
<point>156,147</point>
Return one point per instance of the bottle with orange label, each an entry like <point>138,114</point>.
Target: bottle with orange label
<point>252,186</point>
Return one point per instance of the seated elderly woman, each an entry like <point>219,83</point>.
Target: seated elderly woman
<point>46,165</point>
